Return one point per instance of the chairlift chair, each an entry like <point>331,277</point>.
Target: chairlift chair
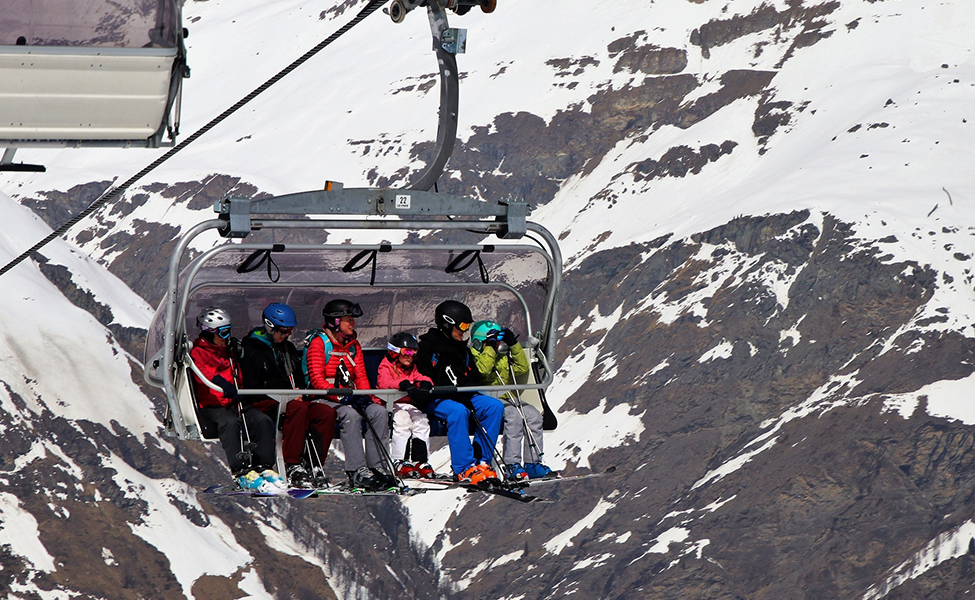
<point>514,280</point>
<point>89,73</point>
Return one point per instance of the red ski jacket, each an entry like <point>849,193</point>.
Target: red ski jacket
<point>321,371</point>
<point>213,360</point>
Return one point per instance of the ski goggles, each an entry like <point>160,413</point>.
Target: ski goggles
<point>354,311</point>
<point>403,351</point>
<point>282,330</point>
<point>461,326</point>
<point>223,332</point>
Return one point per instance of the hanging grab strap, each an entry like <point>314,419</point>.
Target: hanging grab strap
<point>260,257</point>
<point>466,259</point>
<point>368,256</point>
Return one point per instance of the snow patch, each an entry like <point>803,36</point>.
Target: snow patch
<point>943,548</point>
<point>723,350</point>
<point>18,529</point>
<point>563,540</point>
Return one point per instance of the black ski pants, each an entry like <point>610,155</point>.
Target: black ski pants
<point>261,430</point>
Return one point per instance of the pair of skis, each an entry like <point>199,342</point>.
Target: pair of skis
<point>514,493</point>
<point>510,490</point>
<point>302,493</point>
<point>514,490</point>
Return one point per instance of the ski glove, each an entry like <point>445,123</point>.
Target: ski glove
<point>492,338</point>
<point>417,394</point>
<point>357,402</point>
<point>405,385</point>
<point>229,389</point>
<point>508,337</point>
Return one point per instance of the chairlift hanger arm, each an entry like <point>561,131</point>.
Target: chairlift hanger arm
<point>446,44</point>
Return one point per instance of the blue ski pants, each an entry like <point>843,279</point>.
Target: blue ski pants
<point>489,412</point>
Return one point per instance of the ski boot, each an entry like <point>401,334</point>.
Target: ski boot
<point>405,469</point>
<point>298,477</point>
<point>539,471</point>
<point>517,473</point>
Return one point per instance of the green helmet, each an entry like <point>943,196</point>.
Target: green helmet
<point>481,331</point>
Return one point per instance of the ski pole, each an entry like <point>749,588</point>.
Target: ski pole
<point>313,455</point>
<point>449,372</point>
<point>245,446</point>
<point>532,444</point>
<point>517,403</point>
<point>494,449</point>
<point>343,373</point>
<point>382,446</point>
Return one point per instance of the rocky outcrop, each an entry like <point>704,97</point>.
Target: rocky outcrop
<point>774,465</point>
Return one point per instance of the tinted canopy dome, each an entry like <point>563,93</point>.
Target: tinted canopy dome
<point>91,23</point>
<point>398,287</point>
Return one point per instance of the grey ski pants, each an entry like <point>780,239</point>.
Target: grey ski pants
<point>353,434</point>
<point>517,444</point>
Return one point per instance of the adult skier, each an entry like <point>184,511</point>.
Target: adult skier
<point>271,361</point>
<point>212,354</point>
<point>334,356</point>
<point>444,357</point>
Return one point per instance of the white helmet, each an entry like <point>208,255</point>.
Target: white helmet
<point>215,320</point>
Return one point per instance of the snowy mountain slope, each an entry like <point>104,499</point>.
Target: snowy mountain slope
<point>780,389</point>
<point>96,501</point>
<point>43,334</point>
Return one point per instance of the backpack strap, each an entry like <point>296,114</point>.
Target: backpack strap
<point>304,353</point>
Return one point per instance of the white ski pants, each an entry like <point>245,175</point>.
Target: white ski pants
<point>408,420</point>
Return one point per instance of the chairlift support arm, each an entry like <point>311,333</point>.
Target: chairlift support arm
<point>447,43</point>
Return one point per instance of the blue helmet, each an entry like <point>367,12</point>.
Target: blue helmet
<point>279,315</point>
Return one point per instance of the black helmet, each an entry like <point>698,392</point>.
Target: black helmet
<point>336,309</point>
<point>451,313</point>
<point>398,342</point>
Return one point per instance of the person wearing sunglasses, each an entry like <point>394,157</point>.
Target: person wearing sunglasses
<point>212,354</point>
<point>411,427</point>
<point>271,361</point>
<point>444,357</point>
<point>333,359</point>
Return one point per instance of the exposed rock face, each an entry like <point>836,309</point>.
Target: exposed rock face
<point>86,525</point>
<point>845,487</point>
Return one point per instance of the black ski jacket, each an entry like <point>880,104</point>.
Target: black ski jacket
<point>267,365</point>
<point>437,352</point>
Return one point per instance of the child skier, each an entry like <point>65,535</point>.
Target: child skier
<point>397,371</point>
<point>498,356</point>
